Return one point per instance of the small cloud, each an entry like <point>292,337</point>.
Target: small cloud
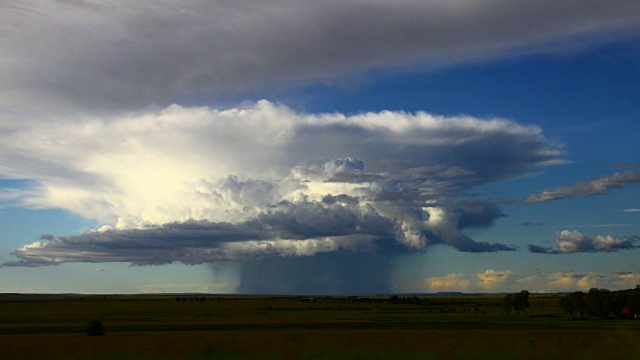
<point>542,250</point>
<point>449,282</point>
<point>622,273</point>
<point>491,280</point>
<point>569,242</point>
<point>529,223</point>
<point>574,241</point>
<point>627,279</point>
<point>631,210</point>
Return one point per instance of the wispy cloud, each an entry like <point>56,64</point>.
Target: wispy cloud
<point>626,165</point>
<point>631,210</point>
<point>596,186</point>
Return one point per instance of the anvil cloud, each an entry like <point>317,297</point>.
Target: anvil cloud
<point>113,54</point>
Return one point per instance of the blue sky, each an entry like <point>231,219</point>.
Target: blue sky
<point>340,147</point>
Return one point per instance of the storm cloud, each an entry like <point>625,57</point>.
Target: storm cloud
<point>256,181</point>
<point>101,115</point>
<point>190,242</point>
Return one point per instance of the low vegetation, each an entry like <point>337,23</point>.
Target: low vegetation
<point>94,328</point>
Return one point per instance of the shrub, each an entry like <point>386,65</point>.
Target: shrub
<point>94,328</point>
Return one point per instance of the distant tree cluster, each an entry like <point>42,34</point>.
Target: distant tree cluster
<point>395,299</point>
<point>471,301</point>
<point>602,303</point>
<point>518,302</point>
<point>193,298</point>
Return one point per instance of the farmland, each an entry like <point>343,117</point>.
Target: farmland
<point>294,327</point>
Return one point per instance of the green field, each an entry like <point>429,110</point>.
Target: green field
<point>294,327</point>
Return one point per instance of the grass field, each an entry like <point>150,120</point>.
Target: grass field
<point>253,327</point>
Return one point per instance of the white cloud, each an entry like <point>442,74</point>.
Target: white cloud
<point>449,282</point>
<point>488,281</point>
<point>561,282</point>
<point>574,241</point>
<point>510,281</point>
<point>627,280</point>
<point>179,164</point>
<point>198,288</point>
<point>568,242</point>
<point>146,165</point>
<point>492,280</point>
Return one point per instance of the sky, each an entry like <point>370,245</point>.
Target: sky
<point>333,147</point>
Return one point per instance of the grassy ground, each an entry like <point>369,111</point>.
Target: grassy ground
<point>244,327</point>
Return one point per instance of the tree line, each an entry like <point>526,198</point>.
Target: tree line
<point>602,303</point>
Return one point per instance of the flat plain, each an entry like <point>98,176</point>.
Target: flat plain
<point>304,327</point>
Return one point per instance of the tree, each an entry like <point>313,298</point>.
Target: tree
<point>507,303</point>
<point>573,303</point>
<point>633,301</point>
<point>521,301</point>
<point>597,302</point>
<point>614,302</point>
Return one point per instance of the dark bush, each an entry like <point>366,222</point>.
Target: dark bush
<point>94,328</point>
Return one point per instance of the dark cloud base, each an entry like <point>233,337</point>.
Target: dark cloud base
<point>542,250</point>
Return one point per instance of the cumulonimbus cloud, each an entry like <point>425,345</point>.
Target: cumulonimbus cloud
<point>568,242</point>
<point>265,179</point>
<point>596,186</point>
<point>111,54</point>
